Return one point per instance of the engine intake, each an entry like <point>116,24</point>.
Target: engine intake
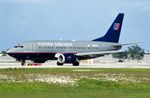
<point>66,58</point>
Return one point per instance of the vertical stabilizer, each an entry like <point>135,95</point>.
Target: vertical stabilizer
<point>113,34</point>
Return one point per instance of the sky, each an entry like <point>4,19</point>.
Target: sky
<point>23,20</point>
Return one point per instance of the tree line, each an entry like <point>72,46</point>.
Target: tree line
<point>133,53</point>
<point>3,53</point>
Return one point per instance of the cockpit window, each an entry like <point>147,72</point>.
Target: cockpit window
<point>19,46</point>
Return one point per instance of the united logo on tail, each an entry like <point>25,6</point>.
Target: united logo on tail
<point>116,26</point>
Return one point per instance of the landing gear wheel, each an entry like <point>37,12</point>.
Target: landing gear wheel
<point>59,64</point>
<point>23,63</point>
<point>75,64</point>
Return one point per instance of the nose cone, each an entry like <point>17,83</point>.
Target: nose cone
<point>10,52</point>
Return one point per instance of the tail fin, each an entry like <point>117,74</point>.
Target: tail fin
<point>113,34</point>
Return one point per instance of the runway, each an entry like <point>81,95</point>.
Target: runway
<point>82,65</point>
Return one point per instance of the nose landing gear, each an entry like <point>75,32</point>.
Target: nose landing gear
<point>23,63</point>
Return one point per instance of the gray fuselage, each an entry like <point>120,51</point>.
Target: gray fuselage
<point>63,47</point>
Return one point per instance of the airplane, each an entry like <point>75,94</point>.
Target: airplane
<point>67,51</point>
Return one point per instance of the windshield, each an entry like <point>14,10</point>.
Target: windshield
<point>18,46</point>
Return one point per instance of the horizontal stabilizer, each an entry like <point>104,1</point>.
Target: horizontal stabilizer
<point>132,43</point>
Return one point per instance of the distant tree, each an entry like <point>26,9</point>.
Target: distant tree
<point>135,52</point>
<point>121,55</point>
<point>148,52</point>
<point>3,53</point>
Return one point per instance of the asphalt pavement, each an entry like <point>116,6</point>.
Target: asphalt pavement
<point>82,65</point>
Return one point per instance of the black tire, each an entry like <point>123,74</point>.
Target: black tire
<point>75,64</point>
<point>59,64</point>
<point>23,64</point>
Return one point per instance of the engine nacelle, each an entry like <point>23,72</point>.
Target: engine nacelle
<point>66,58</point>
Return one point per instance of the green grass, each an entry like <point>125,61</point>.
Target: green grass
<point>131,83</point>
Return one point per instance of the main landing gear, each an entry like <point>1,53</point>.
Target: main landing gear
<point>74,64</point>
<point>60,64</point>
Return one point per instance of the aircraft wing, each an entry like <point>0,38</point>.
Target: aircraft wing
<point>132,43</point>
<point>97,53</point>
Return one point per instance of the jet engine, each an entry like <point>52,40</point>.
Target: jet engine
<point>66,58</point>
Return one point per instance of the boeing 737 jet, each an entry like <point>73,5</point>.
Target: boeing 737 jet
<point>65,51</point>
